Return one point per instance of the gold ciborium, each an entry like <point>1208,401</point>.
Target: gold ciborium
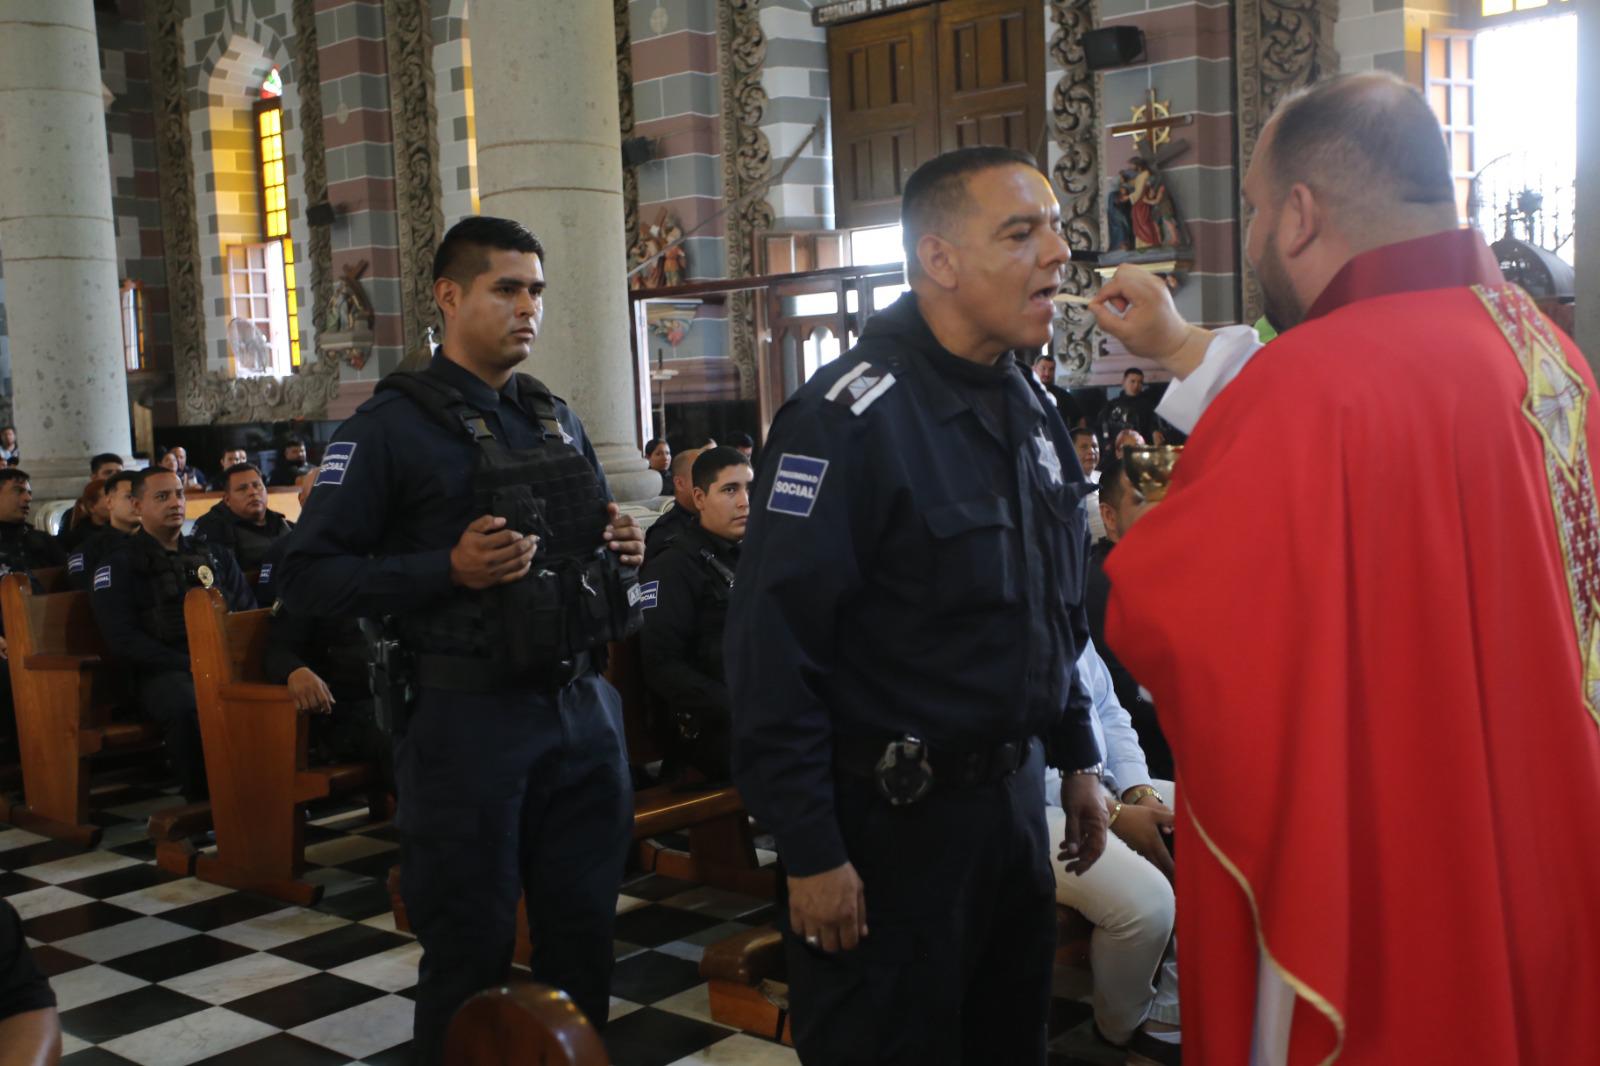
<point>1150,468</point>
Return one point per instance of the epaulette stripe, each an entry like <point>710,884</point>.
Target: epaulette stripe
<point>872,394</point>
<point>839,386</point>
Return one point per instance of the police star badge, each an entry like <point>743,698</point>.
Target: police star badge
<point>205,576</point>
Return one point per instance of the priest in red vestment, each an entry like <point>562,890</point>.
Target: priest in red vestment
<point>1369,612</point>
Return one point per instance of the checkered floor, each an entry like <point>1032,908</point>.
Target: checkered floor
<point>154,969</point>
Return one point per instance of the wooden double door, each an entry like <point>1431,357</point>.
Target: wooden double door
<point>910,85</point>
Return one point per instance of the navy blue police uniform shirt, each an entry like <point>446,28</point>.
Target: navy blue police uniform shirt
<point>911,566</point>
<point>121,596</point>
<point>394,496</point>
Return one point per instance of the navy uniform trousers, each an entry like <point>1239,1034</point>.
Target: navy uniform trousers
<point>504,793</point>
<point>961,932</point>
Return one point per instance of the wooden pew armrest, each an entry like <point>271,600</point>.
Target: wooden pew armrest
<point>45,661</point>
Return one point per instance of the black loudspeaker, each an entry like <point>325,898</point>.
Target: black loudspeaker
<point>637,150</point>
<point>1114,46</point>
<point>321,214</point>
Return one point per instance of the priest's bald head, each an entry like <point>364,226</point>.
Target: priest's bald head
<point>1341,168</point>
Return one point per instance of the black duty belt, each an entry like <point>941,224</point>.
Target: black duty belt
<point>466,673</point>
<point>950,767</point>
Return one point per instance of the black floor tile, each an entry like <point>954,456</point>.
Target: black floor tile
<point>59,925</point>
<point>651,975</point>
<point>128,1013</point>
<point>116,882</point>
<point>399,1055</point>
<point>15,884</point>
<point>218,911</point>
<point>655,925</point>
<point>304,1000</point>
<point>143,850</point>
<point>656,887</point>
<point>96,1056</point>
<point>767,915</point>
<point>105,819</point>
<point>383,832</point>
<point>52,961</point>
<point>357,904</point>
<point>280,1049</point>
<point>339,946</point>
<point>179,957</point>
<point>317,834</point>
<point>374,866</point>
<point>34,854</point>
<point>650,1037</point>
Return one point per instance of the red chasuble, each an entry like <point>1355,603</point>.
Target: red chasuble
<point>1369,611</point>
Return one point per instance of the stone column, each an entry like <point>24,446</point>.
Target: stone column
<point>1588,190</point>
<point>69,388</point>
<point>550,156</point>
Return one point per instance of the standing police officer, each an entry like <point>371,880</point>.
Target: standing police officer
<point>902,640</point>
<point>466,503</point>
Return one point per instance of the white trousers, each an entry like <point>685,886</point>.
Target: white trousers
<point>1133,950</point>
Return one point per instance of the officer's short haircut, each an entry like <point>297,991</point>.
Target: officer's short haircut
<point>102,459</point>
<point>464,252</point>
<point>1044,358</point>
<point>1081,431</point>
<point>936,193</point>
<point>238,468</point>
<point>293,442</point>
<point>1112,483</point>
<point>1131,371</point>
<point>712,462</point>
<point>683,462</point>
<point>741,440</point>
<point>132,477</point>
<point>146,475</point>
<point>12,473</point>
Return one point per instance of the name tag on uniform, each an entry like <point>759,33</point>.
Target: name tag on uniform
<point>797,484</point>
<point>335,461</point>
<point>75,563</point>
<point>102,578</point>
<point>647,594</point>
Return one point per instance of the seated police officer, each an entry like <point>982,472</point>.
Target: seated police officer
<point>291,463</point>
<point>680,513</point>
<point>686,589</point>
<point>467,505</point>
<point>22,547</point>
<point>901,646</point>
<point>122,493</point>
<point>241,521</point>
<point>138,602</point>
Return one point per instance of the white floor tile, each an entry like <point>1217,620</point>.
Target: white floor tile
<point>278,928</point>
<point>71,869</point>
<point>47,900</point>
<point>71,1044</point>
<point>237,978</point>
<point>620,1008</point>
<point>348,849</point>
<point>393,971</point>
<point>125,938</point>
<point>715,902</point>
<point>189,1039</point>
<point>385,921</point>
<point>362,1030</point>
<point>90,984</point>
<point>742,1049</point>
<point>169,896</point>
<point>682,949</point>
<point>691,1003</point>
<point>18,838</point>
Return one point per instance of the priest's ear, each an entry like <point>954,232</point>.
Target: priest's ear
<point>937,260</point>
<point>1301,220</point>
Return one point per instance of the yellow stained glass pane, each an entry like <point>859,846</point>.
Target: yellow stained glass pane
<point>1524,5</point>
<point>274,120</point>
<point>288,250</point>
<point>1496,7</point>
<point>288,278</point>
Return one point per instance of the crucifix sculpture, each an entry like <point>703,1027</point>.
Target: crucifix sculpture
<point>1153,119</point>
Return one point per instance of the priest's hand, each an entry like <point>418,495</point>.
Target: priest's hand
<point>1083,801</point>
<point>1142,829</point>
<point>1136,308</point>
<point>624,537</point>
<point>829,910</point>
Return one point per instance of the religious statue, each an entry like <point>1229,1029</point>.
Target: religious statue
<point>1155,219</point>
<point>1119,212</point>
<point>351,308</point>
<point>668,262</point>
<point>674,259</point>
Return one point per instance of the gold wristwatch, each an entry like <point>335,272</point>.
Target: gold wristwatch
<point>1134,795</point>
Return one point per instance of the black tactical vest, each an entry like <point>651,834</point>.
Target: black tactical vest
<point>169,577</point>
<point>575,596</point>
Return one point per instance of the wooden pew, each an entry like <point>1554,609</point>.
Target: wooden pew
<point>64,694</point>
<point>521,1024</point>
<point>256,763</point>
